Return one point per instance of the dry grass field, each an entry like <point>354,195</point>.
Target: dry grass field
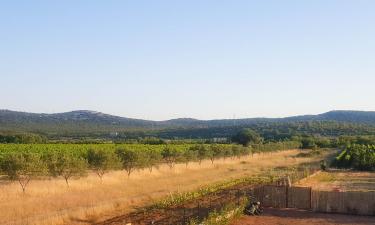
<point>88,200</point>
<point>341,181</point>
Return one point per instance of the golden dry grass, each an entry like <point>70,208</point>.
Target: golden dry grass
<point>88,200</point>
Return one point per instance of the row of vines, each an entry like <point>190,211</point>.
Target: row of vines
<point>23,162</point>
<point>356,156</point>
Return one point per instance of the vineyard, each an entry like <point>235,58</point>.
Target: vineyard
<point>24,162</point>
<point>361,157</point>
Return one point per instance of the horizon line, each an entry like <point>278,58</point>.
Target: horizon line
<point>243,118</point>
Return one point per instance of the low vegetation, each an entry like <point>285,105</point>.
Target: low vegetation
<point>178,198</point>
<point>224,216</point>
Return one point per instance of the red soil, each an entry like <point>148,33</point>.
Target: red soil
<point>302,217</point>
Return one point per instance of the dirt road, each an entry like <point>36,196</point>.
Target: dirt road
<point>302,217</point>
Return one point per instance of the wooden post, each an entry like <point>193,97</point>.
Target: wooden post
<point>238,197</point>
<point>310,198</point>
<point>198,209</point>
<point>287,196</point>
<point>184,215</point>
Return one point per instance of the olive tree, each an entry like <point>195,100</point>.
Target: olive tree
<point>188,156</point>
<point>101,161</point>
<point>201,152</point>
<point>22,167</point>
<point>170,155</point>
<point>236,151</point>
<point>246,151</point>
<point>129,159</point>
<point>153,158</point>
<point>214,152</point>
<point>227,152</point>
<point>67,165</point>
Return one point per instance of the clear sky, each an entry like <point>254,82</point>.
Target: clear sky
<point>203,59</point>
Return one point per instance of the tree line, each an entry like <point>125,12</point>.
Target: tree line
<point>23,165</point>
<point>25,138</point>
<point>269,132</point>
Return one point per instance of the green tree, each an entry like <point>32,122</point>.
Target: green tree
<point>101,161</point>
<point>246,137</point>
<point>129,159</point>
<point>22,167</point>
<point>214,152</point>
<point>201,152</point>
<point>153,159</point>
<point>151,141</point>
<point>67,165</point>
<point>236,151</point>
<point>170,155</point>
<point>227,152</point>
<point>308,143</point>
<point>245,151</point>
<point>189,156</point>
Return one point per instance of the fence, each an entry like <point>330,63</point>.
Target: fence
<point>353,202</point>
<point>299,197</point>
<point>358,203</point>
<point>284,197</point>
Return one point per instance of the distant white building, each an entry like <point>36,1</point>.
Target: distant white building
<point>113,134</point>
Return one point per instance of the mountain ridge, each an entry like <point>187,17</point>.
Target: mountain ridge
<point>87,120</point>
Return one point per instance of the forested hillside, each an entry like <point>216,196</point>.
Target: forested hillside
<point>21,127</point>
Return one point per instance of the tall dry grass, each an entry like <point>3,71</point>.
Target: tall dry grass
<point>87,200</point>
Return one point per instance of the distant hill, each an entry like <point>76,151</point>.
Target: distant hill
<point>366,117</point>
<point>91,121</point>
<point>76,121</point>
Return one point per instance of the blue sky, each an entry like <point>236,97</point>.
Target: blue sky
<point>202,59</point>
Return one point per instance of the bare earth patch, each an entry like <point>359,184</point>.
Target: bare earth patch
<point>302,217</point>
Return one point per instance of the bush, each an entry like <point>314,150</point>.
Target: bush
<point>361,157</point>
